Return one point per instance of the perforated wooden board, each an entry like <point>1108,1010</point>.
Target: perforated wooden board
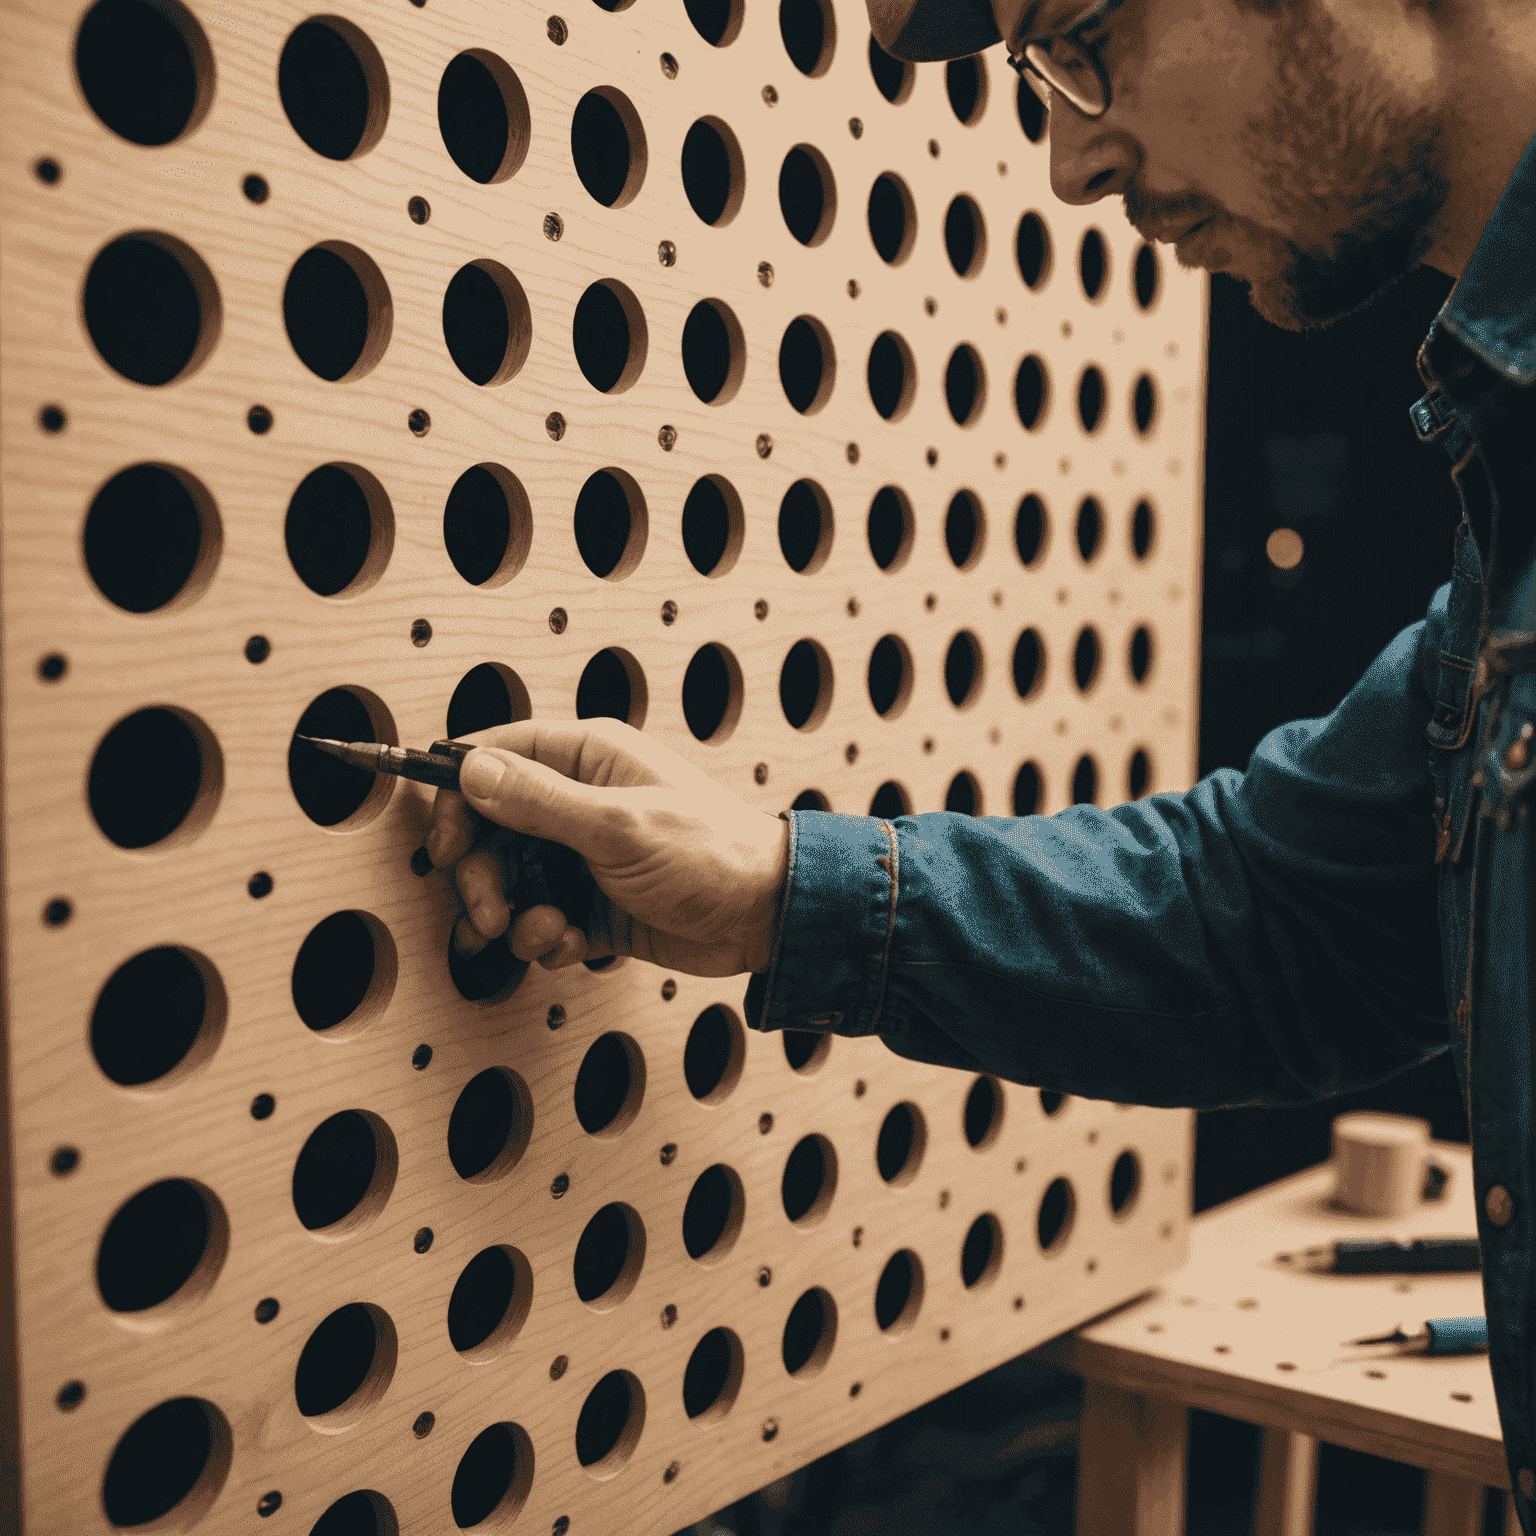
<point>118,1085</point>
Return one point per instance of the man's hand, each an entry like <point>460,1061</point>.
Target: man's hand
<point>687,875</point>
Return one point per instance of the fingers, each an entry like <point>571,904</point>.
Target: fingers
<point>538,931</point>
<point>452,830</point>
<point>482,880</point>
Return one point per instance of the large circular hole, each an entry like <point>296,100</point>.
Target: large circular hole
<point>890,801</point>
<point>1090,398</point>
<point>712,1377</point>
<point>807,364</point>
<point>493,1477</point>
<point>713,1215</point>
<point>982,1251</point>
<point>1058,1208</point>
<point>608,146</point>
<point>1085,659</point>
<point>360,1513</point>
<point>1029,392</point>
<point>891,374</point>
<point>891,528</point>
<point>610,521</point>
<point>1027,790</point>
<point>483,116</point>
<point>964,531</point>
<point>334,87</point>
<point>810,1180</point>
<point>714,526</point>
<point>152,535</point>
<point>610,336</point>
<point>811,800</point>
<point>490,1302</point>
<point>337,311</point>
<point>165,1245</point>
<point>175,1457</point>
<point>963,795</point>
<point>966,87</point>
<point>1085,782</point>
<point>718,22</point>
<point>156,773</point>
<point>612,685</point>
<point>714,170</point>
<point>346,1366</point>
<point>1090,525</point>
<point>1032,249</point>
<point>340,530</point>
<point>487,695</point>
<point>899,1293</point>
<point>608,1427</point>
<point>900,1146</point>
<point>1141,529</point>
<point>345,972</point>
<point>609,1254</point>
<point>893,78</point>
<point>162,1010</point>
<point>487,525</point>
<point>487,322</point>
<point>809,1333</point>
<point>890,676</point>
<point>146,70</point>
<point>1093,263</point>
<point>965,234</point>
<point>983,1113</point>
<point>610,1085</point>
<point>712,693</point>
<point>892,217</point>
<point>1124,1182</point>
<point>1147,272</point>
<point>344,1173</point>
<point>151,307</point>
<point>1029,529</point>
<point>328,790</point>
<point>1139,775</point>
<point>962,670</point>
<point>714,352</point>
<point>965,386</point>
<point>1144,403</point>
<point>490,1125</point>
<point>806,1050</point>
<point>1032,114</point>
<point>805,527</point>
<point>1028,664</point>
<point>809,32</point>
<point>805,685</point>
<point>714,1055</point>
<point>807,194</point>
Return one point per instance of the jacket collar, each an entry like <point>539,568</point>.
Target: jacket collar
<point>1492,309</point>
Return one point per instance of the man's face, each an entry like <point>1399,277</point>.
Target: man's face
<point>1310,138</point>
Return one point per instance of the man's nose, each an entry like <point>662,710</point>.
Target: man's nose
<point>1088,160</point>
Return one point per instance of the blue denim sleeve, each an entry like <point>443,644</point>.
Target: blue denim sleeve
<point>1267,937</point>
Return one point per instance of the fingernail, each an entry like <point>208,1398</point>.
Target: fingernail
<point>480,775</point>
<point>435,846</point>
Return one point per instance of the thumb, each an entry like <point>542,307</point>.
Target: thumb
<point>529,797</point>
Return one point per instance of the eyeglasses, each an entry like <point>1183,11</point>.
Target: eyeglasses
<point>1068,64</point>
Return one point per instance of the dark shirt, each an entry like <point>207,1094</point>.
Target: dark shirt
<point>1356,902</point>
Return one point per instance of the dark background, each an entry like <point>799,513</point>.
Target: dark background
<point>1307,431</point>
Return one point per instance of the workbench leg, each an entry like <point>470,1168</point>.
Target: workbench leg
<point>1453,1506</point>
<point>1287,1493</point>
<point>1131,1454</point>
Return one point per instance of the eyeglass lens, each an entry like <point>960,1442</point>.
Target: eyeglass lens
<point>1069,70</point>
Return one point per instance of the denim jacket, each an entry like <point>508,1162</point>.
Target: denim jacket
<point>1362,898</point>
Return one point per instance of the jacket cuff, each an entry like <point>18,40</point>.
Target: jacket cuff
<point>831,946</point>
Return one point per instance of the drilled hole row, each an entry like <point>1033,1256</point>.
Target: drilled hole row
<point>153,533</point>
<point>153,311</point>
<point>157,774</point>
<point>147,71</point>
<point>179,1450</point>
